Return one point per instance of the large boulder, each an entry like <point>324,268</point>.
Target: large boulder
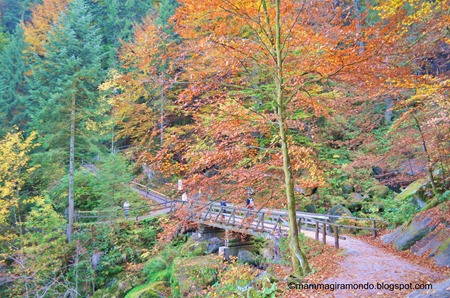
<point>268,251</point>
<point>379,191</point>
<point>355,197</point>
<point>245,256</point>
<point>436,245</point>
<point>413,190</point>
<point>310,208</point>
<point>418,229</point>
<point>339,210</point>
<point>388,238</point>
<point>194,247</point>
<point>214,244</point>
<point>347,189</point>
<point>428,235</point>
<point>354,202</point>
<point>442,256</point>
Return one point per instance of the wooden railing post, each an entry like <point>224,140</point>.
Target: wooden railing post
<point>317,230</point>
<point>324,234</point>
<point>374,231</point>
<point>299,225</point>
<point>262,220</point>
<point>336,237</point>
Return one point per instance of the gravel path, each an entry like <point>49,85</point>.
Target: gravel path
<point>364,263</point>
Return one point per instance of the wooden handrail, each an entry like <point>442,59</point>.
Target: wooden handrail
<point>243,220</point>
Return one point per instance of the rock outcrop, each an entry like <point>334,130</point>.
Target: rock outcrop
<point>428,234</point>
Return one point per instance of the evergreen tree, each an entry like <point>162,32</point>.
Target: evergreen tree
<point>13,12</point>
<point>116,20</point>
<point>14,109</point>
<point>65,88</point>
<point>113,179</point>
<point>3,39</point>
<point>166,10</point>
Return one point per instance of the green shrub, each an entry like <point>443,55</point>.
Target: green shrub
<point>154,266</point>
<point>398,212</point>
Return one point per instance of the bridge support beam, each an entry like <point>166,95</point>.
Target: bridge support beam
<point>206,232</point>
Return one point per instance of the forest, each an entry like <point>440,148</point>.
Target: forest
<point>323,107</point>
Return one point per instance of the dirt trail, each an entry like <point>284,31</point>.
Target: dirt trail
<point>365,263</point>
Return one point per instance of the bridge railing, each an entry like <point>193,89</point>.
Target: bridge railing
<point>149,190</point>
<point>110,215</point>
<point>276,221</point>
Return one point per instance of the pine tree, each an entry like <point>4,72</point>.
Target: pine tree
<point>13,12</point>
<point>166,10</point>
<point>3,39</point>
<point>14,109</point>
<point>116,20</point>
<point>65,87</point>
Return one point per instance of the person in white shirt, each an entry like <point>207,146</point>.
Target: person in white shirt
<point>184,197</point>
<point>126,209</point>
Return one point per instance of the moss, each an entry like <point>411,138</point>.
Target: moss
<point>412,189</point>
<point>444,246</point>
<point>149,290</point>
<point>194,273</point>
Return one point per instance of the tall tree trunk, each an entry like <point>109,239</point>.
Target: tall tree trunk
<point>425,150</point>
<point>299,261</point>
<point>162,109</point>
<point>70,210</point>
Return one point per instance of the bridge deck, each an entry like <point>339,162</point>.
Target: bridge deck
<point>263,223</point>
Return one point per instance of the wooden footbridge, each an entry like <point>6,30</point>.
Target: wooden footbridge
<point>263,222</point>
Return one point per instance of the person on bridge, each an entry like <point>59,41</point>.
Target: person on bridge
<point>250,204</point>
<point>223,204</point>
<point>184,197</point>
<point>126,209</point>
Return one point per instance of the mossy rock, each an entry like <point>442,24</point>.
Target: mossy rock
<point>380,191</point>
<point>339,210</point>
<point>149,290</point>
<point>194,247</point>
<point>154,265</point>
<point>347,188</point>
<point>442,256</point>
<point>418,229</point>
<point>245,256</point>
<point>335,200</point>
<point>436,244</point>
<point>412,190</point>
<point>310,208</point>
<point>191,275</point>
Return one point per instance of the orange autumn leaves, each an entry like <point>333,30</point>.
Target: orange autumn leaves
<point>220,118</point>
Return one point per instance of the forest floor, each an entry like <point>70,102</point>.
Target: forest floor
<point>365,260</point>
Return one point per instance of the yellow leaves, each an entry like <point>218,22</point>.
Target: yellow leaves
<point>417,11</point>
<point>113,79</point>
<point>14,150</point>
<point>44,16</point>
